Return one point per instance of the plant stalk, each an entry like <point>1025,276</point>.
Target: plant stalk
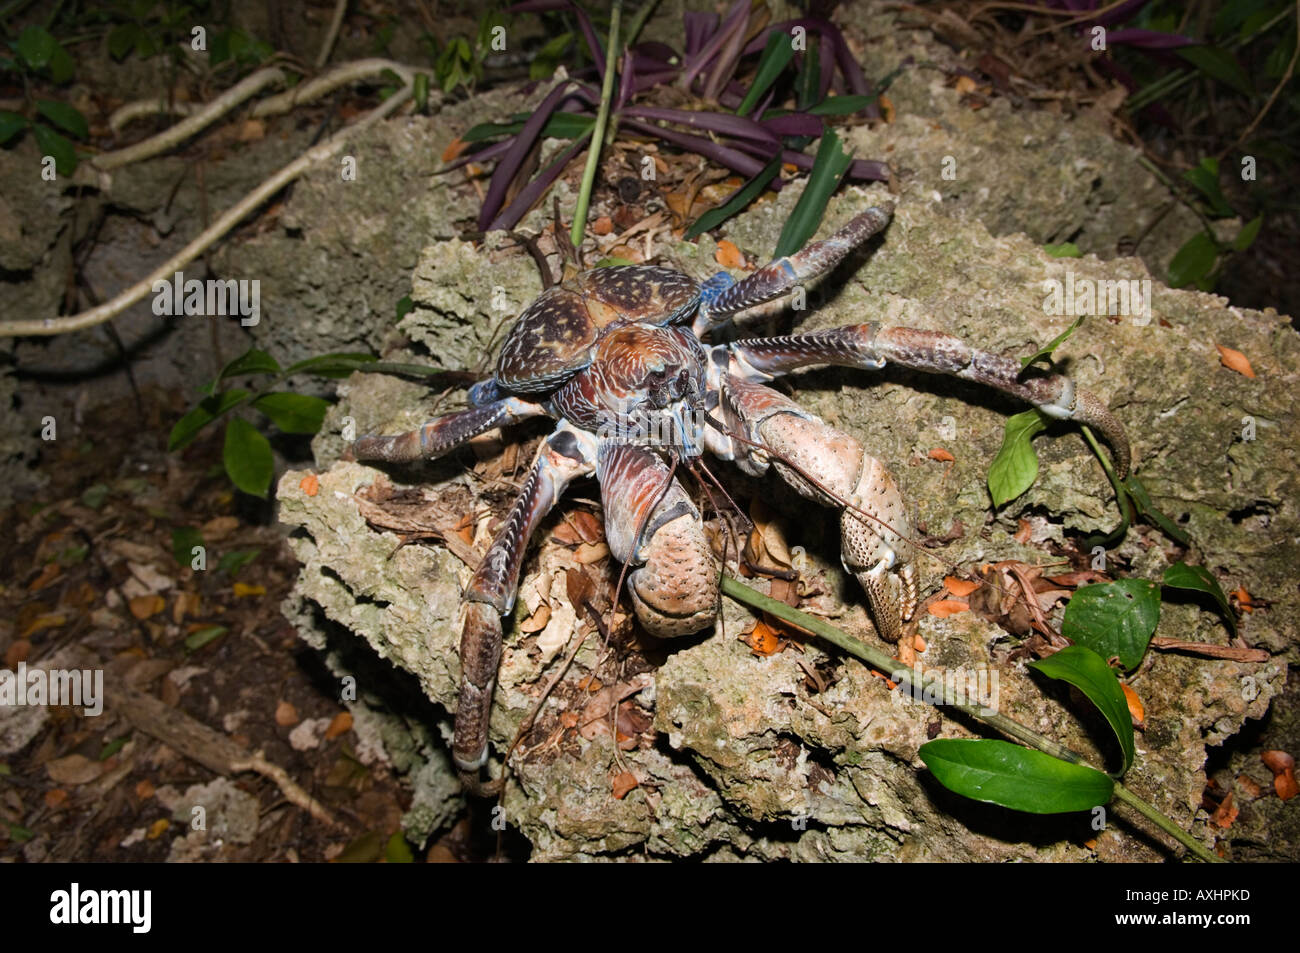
<point>598,134</point>
<point>887,664</point>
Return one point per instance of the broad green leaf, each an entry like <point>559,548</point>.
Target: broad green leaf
<point>1019,778</point>
<point>53,144</point>
<point>1015,468</point>
<point>1193,261</point>
<point>1114,618</point>
<point>548,57</point>
<point>613,261</point>
<point>421,91</point>
<point>398,851</point>
<point>234,561</point>
<point>1063,250</point>
<point>19,834</point>
<point>36,46</point>
<point>404,306</point>
<point>1142,501</point>
<point>840,105</point>
<point>206,411</point>
<point>1047,349</point>
<point>776,56</point>
<point>808,83</point>
<point>294,413</point>
<point>113,747</point>
<point>63,116</point>
<point>196,640</point>
<point>1220,65</point>
<point>252,361</point>
<point>827,171</point>
<point>95,495</point>
<point>11,123</point>
<point>1246,237</point>
<point>247,457</point>
<point>120,40</point>
<point>61,66</point>
<point>1206,178</point>
<point>739,200</point>
<point>1198,579</point>
<point>184,539</point>
<point>1087,671</point>
<point>338,365</point>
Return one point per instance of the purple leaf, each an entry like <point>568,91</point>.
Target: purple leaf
<point>732,158</point>
<point>511,162</point>
<point>584,22</point>
<point>494,151</point>
<point>795,124</point>
<point>721,123</point>
<point>699,27</point>
<point>535,189</point>
<point>738,13</point>
<point>1148,39</point>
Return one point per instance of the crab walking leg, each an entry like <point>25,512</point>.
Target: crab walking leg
<point>872,346</point>
<point>444,434</point>
<point>563,457</point>
<point>722,297</point>
<point>672,578</point>
<point>875,548</point>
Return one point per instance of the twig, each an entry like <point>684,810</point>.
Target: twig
<point>332,33</point>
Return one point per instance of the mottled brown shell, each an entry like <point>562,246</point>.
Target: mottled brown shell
<point>555,336</point>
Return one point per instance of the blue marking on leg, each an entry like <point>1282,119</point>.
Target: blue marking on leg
<point>788,268</point>
<point>485,392</point>
<point>712,289</point>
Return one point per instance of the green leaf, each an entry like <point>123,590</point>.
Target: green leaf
<point>63,116</point>
<point>776,57</point>
<point>1245,238</point>
<point>1015,468</point>
<point>207,410</point>
<point>184,539</point>
<point>1114,618</point>
<point>252,361</point>
<point>736,202</point>
<point>61,66</point>
<point>53,144</point>
<point>294,413</point>
<point>196,640</point>
<point>1142,502</point>
<point>840,105</point>
<point>404,306</point>
<point>1019,778</point>
<point>1047,349</point>
<point>19,834</point>
<point>1087,671</point>
<point>232,562</point>
<point>338,365</point>
<point>1219,65</point>
<point>1063,250</point>
<point>5,770</point>
<point>112,748</point>
<point>36,46</point>
<point>421,91</point>
<point>827,171</point>
<point>1198,579</point>
<point>613,261</point>
<point>398,851</point>
<point>1206,178</point>
<point>548,57</point>
<point>248,458</point>
<point>1193,261</point>
<point>95,495</point>
<point>11,123</point>
<point>120,40</point>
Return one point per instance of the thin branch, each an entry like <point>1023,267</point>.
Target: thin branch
<point>332,33</point>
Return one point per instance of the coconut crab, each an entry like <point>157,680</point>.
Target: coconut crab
<point>617,357</point>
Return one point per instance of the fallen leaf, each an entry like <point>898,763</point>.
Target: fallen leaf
<point>728,255</point>
<point>157,827</point>
<point>453,150</point>
<point>1023,531</point>
<point>310,484</point>
<point>286,714</point>
<point>74,769</point>
<point>1135,707</point>
<point>1248,785</point>
<point>142,607</point>
<point>17,652</point>
<point>961,588</point>
<point>55,798</point>
<point>219,527</point>
<point>341,724</point>
<point>49,620</point>
<point>252,130</point>
<point>603,225</point>
<point>1235,360</point>
<point>942,455</point>
<point>918,643</point>
<point>1225,814</point>
<point>244,589</point>
<point>144,789</point>
<point>590,683</point>
<point>965,85</point>
<point>1243,599</point>
<point>624,783</point>
<point>589,553</point>
<point>946,607</point>
<point>537,621</point>
<point>578,586</point>
<point>1283,767</point>
<point>763,640</point>
<point>886,107</point>
<point>51,572</point>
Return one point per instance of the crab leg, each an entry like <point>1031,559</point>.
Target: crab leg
<point>673,582</point>
<point>875,547</point>
<point>721,297</point>
<point>445,434</point>
<point>563,457</point>
<point>872,346</point>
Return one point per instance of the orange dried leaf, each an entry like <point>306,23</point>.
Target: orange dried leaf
<point>1135,707</point>
<point>918,643</point>
<point>51,572</point>
<point>590,683</point>
<point>1023,531</point>
<point>157,827</point>
<point>1248,785</point>
<point>453,150</point>
<point>589,553</point>
<point>1225,814</point>
<point>965,85</point>
<point>142,607</point>
<point>341,724</point>
<point>728,255</point>
<point>55,798</point>
<point>144,789</point>
<point>886,107</point>
<point>762,639</point>
<point>624,783</point>
<point>1235,360</point>
<point>537,621</point>
<point>946,607</point>
<point>961,588</point>
<point>942,455</point>
<point>242,589</point>
<point>603,225</point>
<point>286,714</point>
<point>310,484</point>
<point>588,526</point>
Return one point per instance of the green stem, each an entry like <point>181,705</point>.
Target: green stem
<point>932,688</point>
<point>598,134</point>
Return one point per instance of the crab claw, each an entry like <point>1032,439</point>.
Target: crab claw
<point>875,546</point>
